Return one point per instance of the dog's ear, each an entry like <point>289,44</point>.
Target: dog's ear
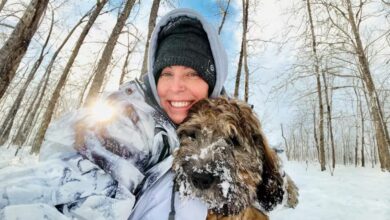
<point>270,191</point>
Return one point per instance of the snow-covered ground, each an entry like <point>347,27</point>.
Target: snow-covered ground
<point>351,194</point>
<point>23,158</point>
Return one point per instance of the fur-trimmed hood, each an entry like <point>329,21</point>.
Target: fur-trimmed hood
<point>217,49</point>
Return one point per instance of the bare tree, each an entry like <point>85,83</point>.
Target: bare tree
<point>224,12</point>
<point>337,42</point>
<point>56,94</point>
<point>2,3</point>
<point>239,67</point>
<point>245,49</point>
<point>328,97</point>
<point>383,149</point>
<point>287,148</point>
<point>151,25</point>
<point>27,121</point>
<point>130,50</point>
<point>9,120</point>
<point>245,6</point>
<point>16,45</point>
<point>362,140</point>
<point>320,103</point>
<point>107,53</point>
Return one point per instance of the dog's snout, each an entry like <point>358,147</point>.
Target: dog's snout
<point>202,180</point>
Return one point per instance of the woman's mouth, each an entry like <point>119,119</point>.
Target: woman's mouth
<point>180,104</point>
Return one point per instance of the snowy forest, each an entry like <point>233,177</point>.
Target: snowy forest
<point>316,71</point>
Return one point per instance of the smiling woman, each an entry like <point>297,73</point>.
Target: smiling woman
<point>108,157</point>
<point>184,66</point>
<point>180,87</point>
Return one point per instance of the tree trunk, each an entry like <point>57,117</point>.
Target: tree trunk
<point>316,133</point>
<point>356,145</point>
<point>245,5</point>
<point>245,51</point>
<point>238,74</point>
<point>54,97</point>
<point>330,126</point>
<point>25,126</point>
<point>359,111</point>
<point>246,91</point>
<point>32,110</point>
<point>387,136</point>
<point>224,14</point>
<point>16,45</point>
<point>285,143</point>
<point>2,3</point>
<point>126,64</point>
<point>362,133</point>
<point>383,150</point>
<point>107,53</point>
<point>5,129</point>
<point>151,25</point>
<point>321,107</point>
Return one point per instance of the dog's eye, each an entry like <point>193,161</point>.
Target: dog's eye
<point>233,140</point>
<point>190,134</point>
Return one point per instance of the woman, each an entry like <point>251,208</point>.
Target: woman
<point>98,168</point>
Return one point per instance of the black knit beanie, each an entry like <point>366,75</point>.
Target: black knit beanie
<point>183,41</point>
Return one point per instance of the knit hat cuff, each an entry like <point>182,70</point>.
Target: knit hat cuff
<point>206,72</point>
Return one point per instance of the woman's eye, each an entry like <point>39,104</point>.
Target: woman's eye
<point>193,74</point>
<point>165,74</point>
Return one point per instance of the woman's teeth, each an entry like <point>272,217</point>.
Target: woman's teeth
<point>180,104</point>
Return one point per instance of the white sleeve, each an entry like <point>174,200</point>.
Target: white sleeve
<point>75,184</point>
<point>31,211</point>
<point>155,203</point>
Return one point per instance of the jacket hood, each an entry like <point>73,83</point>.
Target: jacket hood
<point>217,49</point>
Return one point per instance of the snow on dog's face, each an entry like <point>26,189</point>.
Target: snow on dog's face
<point>223,158</point>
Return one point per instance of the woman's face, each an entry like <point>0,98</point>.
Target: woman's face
<point>179,87</point>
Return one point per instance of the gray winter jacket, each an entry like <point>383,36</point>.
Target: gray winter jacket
<point>117,162</point>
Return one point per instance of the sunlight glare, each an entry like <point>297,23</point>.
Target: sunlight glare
<point>102,112</point>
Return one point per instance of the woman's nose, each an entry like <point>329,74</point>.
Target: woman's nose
<point>178,84</point>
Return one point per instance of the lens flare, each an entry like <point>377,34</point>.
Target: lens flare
<point>102,112</point>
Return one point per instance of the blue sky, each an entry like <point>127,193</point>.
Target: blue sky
<point>210,10</point>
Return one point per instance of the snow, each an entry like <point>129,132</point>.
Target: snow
<point>23,158</point>
<point>352,193</point>
<point>225,188</point>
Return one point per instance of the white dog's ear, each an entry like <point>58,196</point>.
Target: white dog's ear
<point>270,190</point>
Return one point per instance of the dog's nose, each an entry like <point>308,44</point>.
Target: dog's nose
<point>202,180</point>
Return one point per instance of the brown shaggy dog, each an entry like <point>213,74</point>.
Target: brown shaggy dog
<point>224,159</point>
